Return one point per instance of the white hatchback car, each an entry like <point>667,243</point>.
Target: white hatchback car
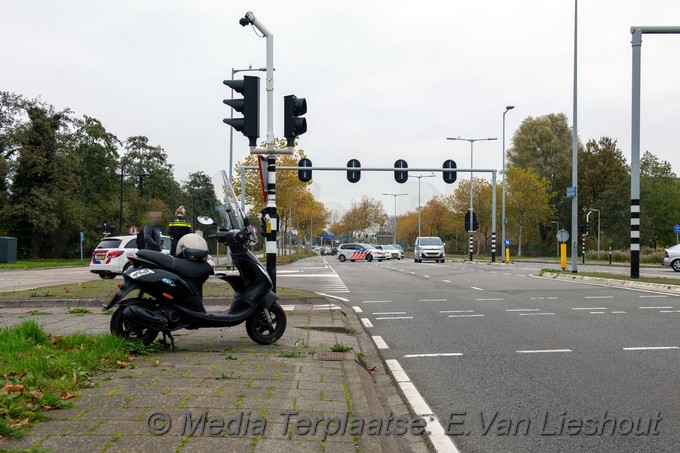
<point>110,258</point>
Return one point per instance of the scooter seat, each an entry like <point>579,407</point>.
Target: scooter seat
<point>189,269</point>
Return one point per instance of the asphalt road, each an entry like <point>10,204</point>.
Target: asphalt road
<point>12,280</point>
<point>527,364</point>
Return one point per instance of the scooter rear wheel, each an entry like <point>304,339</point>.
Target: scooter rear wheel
<point>124,328</point>
<point>258,328</point>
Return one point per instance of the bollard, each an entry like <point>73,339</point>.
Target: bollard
<point>563,256</point>
<point>610,256</point>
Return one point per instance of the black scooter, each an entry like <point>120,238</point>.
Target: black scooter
<point>167,291</point>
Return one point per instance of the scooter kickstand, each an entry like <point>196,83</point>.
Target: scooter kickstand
<point>172,341</point>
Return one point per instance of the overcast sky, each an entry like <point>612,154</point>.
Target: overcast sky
<point>384,80</point>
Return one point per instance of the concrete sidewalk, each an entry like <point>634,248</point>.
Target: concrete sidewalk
<point>220,391</point>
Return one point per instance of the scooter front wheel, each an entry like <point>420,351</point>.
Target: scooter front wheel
<point>258,327</point>
<point>124,328</point>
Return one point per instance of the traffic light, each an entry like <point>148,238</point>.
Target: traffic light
<point>585,227</point>
<point>293,125</point>
<point>475,225</point>
<point>400,176</point>
<point>249,106</point>
<point>353,175</point>
<point>449,176</point>
<point>305,175</point>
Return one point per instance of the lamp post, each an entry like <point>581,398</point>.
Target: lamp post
<point>395,195</point>
<point>503,219</point>
<point>419,177</point>
<point>598,231</point>
<point>472,141</point>
<point>557,228</point>
<point>231,115</point>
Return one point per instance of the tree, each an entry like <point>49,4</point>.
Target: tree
<point>659,195</point>
<point>39,207</point>
<point>481,198</point>
<point>363,217</point>
<point>527,203</point>
<point>198,196</point>
<point>544,144</point>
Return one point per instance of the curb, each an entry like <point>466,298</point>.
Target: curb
<point>661,287</point>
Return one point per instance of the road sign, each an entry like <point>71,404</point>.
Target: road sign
<point>133,230</point>
<point>563,235</point>
<point>571,192</point>
<point>676,229</point>
<point>82,237</point>
<point>507,242</point>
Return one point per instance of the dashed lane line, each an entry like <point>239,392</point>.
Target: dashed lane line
<point>457,311</point>
<point>589,308</point>
<point>431,300</point>
<point>447,281</point>
<point>476,288</point>
<point>535,314</point>
<point>523,309</point>
<point>367,322</point>
<point>598,297</point>
<point>533,351</point>
<point>357,309</point>
<point>655,308</point>
<point>379,342</point>
<point>443,354</point>
<point>390,313</point>
<point>377,301</point>
<point>465,316</point>
<point>490,299</point>
<point>658,296</point>
<point>651,348</point>
<point>396,317</point>
<point>440,441</point>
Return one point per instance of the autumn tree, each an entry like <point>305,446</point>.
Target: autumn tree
<point>363,217</point>
<point>482,206</point>
<point>527,204</point>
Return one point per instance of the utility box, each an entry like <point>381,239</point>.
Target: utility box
<point>8,249</point>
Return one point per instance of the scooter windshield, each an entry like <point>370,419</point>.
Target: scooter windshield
<point>229,210</point>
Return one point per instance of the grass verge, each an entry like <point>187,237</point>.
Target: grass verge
<point>99,289</point>
<point>659,280</point>
<point>32,264</point>
<point>42,372</point>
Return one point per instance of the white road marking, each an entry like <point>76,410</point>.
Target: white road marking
<point>489,299</point>
<point>660,308</point>
<point>396,317</point>
<point>441,442</point>
<point>464,316</point>
<point>357,309</point>
<point>596,312</point>
<point>651,348</point>
<point>507,273</point>
<point>457,311</point>
<point>426,276</point>
<point>334,297</point>
<point>447,281</point>
<point>379,342</point>
<point>390,313</point>
<point>614,312</point>
<point>655,296</point>
<point>367,322</point>
<point>590,308</point>
<point>669,311</point>
<point>377,301</point>
<point>598,297</point>
<point>523,309</point>
<point>532,351</point>
<point>413,273</point>
<point>535,314</point>
<point>552,298</point>
<point>431,300</point>
<point>478,289</point>
<point>288,307</point>
<point>443,354</point>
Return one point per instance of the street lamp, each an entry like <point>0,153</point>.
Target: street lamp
<point>231,115</point>
<point>503,219</point>
<point>421,176</point>
<point>557,228</point>
<point>598,231</point>
<point>395,195</point>
<point>472,141</point>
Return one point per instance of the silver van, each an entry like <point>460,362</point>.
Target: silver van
<point>429,248</point>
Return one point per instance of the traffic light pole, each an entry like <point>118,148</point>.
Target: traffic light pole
<point>269,213</point>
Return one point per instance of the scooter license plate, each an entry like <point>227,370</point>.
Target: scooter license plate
<point>109,298</point>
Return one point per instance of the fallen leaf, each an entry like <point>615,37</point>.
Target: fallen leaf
<point>36,393</point>
<point>120,363</point>
<point>11,388</point>
<point>156,362</point>
<point>67,396</point>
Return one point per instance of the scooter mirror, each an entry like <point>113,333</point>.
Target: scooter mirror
<point>204,220</point>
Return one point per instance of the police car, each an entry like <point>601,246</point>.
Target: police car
<point>110,258</point>
<point>359,252</point>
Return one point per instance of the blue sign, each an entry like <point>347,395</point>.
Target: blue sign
<point>82,236</point>
<point>328,236</point>
<point>507,242</point>
<point>676,229</point>
<point>220,208</point>
<point>571,192</point>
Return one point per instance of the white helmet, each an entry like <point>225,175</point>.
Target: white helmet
<point>191,241</point>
